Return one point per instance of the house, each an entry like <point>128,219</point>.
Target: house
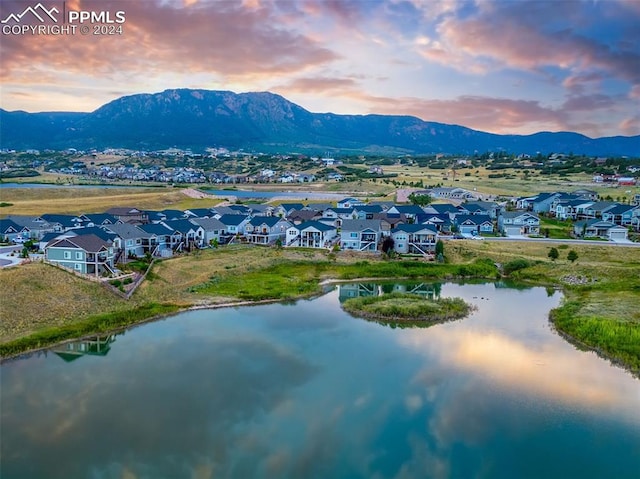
<point>595,210</point>
<point>311,234</point>
<point>129,239</point>
<point>367,212</point>
<point>336,216</point>
<point>349,203</point>
<point>99,219</point>
<point>199,213</point>
<point>414,239</point>
<point>441,209</point>
<point>161,240</point>
<point>301,216</point>
<point>597,228</point>
<point>572,209</point>
<point>538,204</point>
<point>86,254</point>
<point>266,229</point>
<point>31,227</point>
<point>191,234</point>
<point>234,224</point>
<point>518,223</point>
<point>441,223</point>
<point>473,224</point>
<point>213,228</point>
<point>361,235</point>
<point>621,215</point>
<point>129,215</point>
<point>489,208</point>
<point>11,231</point>
<point>285,209</point>
<point>413,213</point>
<point>61,223</point>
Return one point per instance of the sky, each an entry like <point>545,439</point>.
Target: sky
<point>515,67</point>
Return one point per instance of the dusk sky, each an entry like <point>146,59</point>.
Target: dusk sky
<point>498,66</point>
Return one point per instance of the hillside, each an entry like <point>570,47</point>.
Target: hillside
<point>198,119</point>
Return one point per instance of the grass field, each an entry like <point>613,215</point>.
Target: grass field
<point>37,201</point>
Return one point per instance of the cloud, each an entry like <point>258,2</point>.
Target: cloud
<point>220,37</point>
<point>483,113</point>
<point>630,126</point>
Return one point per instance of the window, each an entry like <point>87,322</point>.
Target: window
<point>77,266</point>
<point>353,235</point>
<point>67,255</point>
<point>78,254</point>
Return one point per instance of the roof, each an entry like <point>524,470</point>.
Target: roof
<point>93,230</point>
<point>124,211</point>
<point>233,220</point>
<point>619,209</point>
<point>408,209</point>
<point>64,220</point>
<point>157,229</point>
<point>30,222</point>
<point>442,208</point>
<point>128,231</point>
<point>360,225</point>
<point>201,212</point>
<point>270,221</point>
<point>9,226</point>
<point>473,219</point>
<point>182,225</point>
<point>412,228</point>
<point>101,218</point>
<point>515,214</point>
<point>316,225</point>
<point>209,224</point>
<point>89,243</point>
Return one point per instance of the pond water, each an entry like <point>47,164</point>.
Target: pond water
<point>305,390</point>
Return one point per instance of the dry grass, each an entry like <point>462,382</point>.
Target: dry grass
<point>37,201</point>
<point>173,278</point>
<point>36,296</point>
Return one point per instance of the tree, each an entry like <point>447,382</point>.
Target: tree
<point>420,200</point>
<point>572,256</point>
<point>553,254</point>
<point>439,247</point>
<point>387,245</point>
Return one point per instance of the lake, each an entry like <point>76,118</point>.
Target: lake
<point>304,390</point>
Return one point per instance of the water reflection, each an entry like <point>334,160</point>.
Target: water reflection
<point>309,391</point>
<point>355,290</point>
<point>95,346</point>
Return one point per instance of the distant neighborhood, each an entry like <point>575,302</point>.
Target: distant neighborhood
<point>96,243</point>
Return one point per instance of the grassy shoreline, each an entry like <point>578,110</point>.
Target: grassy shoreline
<point>600,313</point>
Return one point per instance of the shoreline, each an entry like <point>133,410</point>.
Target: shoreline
<point>327,282</point>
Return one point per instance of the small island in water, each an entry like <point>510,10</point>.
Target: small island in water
<point>407,308</point>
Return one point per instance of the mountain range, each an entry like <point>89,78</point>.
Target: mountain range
<point>267,122</point>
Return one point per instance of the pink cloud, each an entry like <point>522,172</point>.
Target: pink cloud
<point>220,37</point>
<point>630,126</point>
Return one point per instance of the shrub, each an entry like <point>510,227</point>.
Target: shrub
<point>515,265</point>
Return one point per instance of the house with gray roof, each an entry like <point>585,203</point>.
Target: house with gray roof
<point>311,234</point>
<point>518,223</point>
<point>129,239</point>
<point>213,228</point>
<point>266,230</point>
<point>414,239</point>
<point>361,235</point>
<point>85,254</point>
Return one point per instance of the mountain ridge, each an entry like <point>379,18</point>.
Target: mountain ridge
<point>265,121</point>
